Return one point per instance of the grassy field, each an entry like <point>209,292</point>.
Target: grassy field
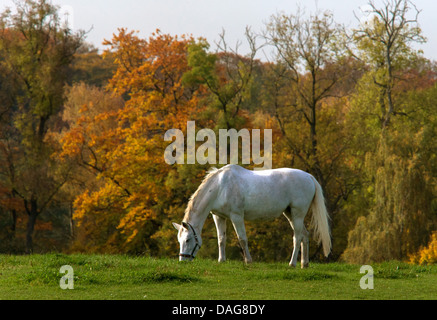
<point>98,277</point>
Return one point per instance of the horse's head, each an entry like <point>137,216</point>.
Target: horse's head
<point>190,242</point>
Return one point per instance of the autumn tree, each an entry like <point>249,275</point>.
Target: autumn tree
<point>305,52</point>
<point>36,50</point>
<point>385,41</point>
<point>91,67</point>
<point>393,151</point>
<point>226,74</point>
<point>124,146</point>
<point>396,206</point>
<point>309,80</point>
<point>86,105</point>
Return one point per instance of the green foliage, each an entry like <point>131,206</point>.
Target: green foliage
<point>91,67</point>
<point>226,75</point>
<point>398,178</point>
<point>401,210</point>
<point>202,64</point>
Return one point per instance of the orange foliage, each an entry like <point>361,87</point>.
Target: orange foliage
<point>128,156</point>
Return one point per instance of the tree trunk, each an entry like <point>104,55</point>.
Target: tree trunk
<point>29,234</point>
<point>14,221</point>
<point>71,221</point>
<point>33,214</point>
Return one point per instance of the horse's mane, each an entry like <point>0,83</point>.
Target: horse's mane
<point>210,174</point>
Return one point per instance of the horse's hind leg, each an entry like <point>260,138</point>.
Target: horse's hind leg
<point>305,260</point>
<point>300,238</point>
<point>220,224</point>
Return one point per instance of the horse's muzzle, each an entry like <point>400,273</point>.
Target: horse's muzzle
<point>186,257</point>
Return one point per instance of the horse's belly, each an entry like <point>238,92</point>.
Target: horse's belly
<point>263,208</point>
<point>257,215</point>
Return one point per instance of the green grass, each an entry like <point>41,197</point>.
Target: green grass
<point>100,277</point>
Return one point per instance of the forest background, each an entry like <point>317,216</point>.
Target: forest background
<point>82,145</point>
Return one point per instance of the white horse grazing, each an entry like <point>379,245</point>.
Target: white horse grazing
<point>238,194</point>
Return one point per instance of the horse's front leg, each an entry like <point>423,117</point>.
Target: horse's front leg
<point>240,229</point>
<point>220,224</point>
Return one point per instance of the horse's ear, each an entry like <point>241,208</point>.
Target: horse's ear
<point>185,225</point>
<point>176,226</point>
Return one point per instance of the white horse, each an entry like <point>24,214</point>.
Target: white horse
<point>236,194</point>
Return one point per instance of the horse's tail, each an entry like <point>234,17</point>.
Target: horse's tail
<point>320,219</point>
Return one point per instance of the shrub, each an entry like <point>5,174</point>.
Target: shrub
<point>426,255</point>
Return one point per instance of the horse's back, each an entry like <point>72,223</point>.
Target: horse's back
<point>266,194</point>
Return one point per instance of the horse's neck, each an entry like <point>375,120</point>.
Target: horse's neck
<point>202,202</point>
<point>198,221</point>
<point>201,210</point>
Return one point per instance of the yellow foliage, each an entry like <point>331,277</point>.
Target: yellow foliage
<point>426,255</point>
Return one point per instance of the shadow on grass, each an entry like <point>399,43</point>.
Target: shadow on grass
<point>300,275</point>
<point>165,277</point>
